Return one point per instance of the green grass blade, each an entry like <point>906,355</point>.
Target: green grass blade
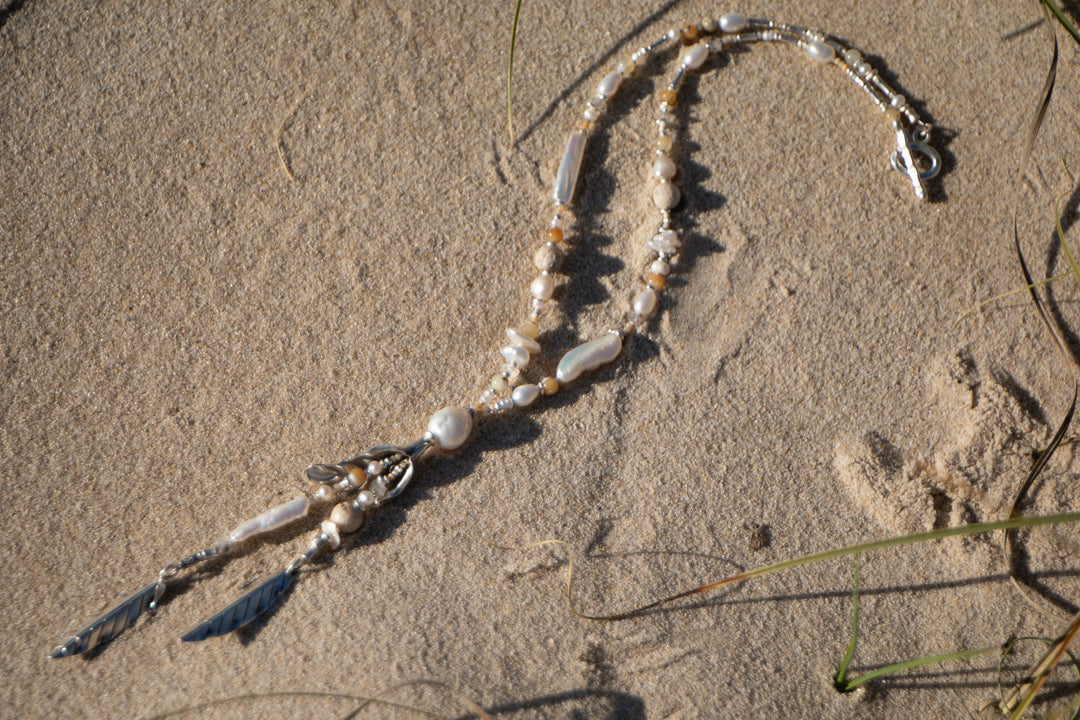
<point>840,680</point>
<point>917,662</point>
<point>510,74</point>
<point>1062,19</point>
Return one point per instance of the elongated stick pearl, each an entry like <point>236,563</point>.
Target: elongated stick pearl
<point>272,519</point>
<point>566,178</point>
<point>588,356</point>
<point>450,428</point>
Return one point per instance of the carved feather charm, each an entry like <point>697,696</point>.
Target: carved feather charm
<point>115,620</point>
<point>253,604</point>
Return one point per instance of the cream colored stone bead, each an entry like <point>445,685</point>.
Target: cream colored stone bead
<point>346,517</point>
<point>666,195</point>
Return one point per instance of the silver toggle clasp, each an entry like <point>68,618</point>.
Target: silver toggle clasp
<point>914,157</point>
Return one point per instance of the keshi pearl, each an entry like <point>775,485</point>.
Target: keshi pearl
<point>645,302</point>
<point>546,257</point>
<point>530,329</point>
<point>549,386</point>
<point>525,395</point>
<point>346,517</point>
<point>609,84</point>
<point>330,529</point>
<point>519,338</point>
<point>663,167</point>
<point>542,287</point>
<point>821,51</point>
<point>516,355</point>
<point>732,22</point>
<point>660,267</point>
<point>588,356</point>
<point>450,427</point>
<point>666,241</point>
<point>695,57</point>
<point>666,196</point>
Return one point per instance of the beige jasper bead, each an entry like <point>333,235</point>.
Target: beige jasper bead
<point>346,517</point>
<point>666,195</point>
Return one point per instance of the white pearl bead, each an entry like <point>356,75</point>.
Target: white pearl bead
<point>645,303</point>
<point>898,101</point>
<point>566,177</point>
<point>666,241</point>
<point>365,499</point>
<point>708,24</point>
<point>695,57</point>
<point>588,356</point>
<point>516,356</point>
<point>820,51</point>
<point>272,519</point>
<point>852,56</point>
<point>591,114</point>
<point>660,267</point>
<point>732,22</point>
<point>450,427</point>
<point>663,167</point>
<point>609,84</point>
<point>525,395</point>
<point>519,338</point>
<point>626,67</point>
<point>542,287</point>
<point>666,195</point>
<point>674,34</point>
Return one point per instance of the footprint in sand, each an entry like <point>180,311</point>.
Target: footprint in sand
<point>989,430</point>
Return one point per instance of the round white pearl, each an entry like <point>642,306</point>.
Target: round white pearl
<point>820,51</point>
<point>660,267</point>
<point>542,287</point>
<point>663,167</point>
<point>519,338</point>
<point>525,395</point>
<point>591,114</point>
<point>695,57</point>
<point>732,22</point>
<point>898,101</point>
<point>365,499</point>
<point>516,356</point>
<point>852,56</point>
<point>450,427</point>
<point>708,24</point>
<point>645,302</point>
<point>674,34</point>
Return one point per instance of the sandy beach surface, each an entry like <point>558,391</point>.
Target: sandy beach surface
<point>237,239</point>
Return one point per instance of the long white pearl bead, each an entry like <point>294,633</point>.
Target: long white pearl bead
<point>566,178</point>
<point>450,427</point>
<point>609,84</point>
<point>695,57</point>
<point>645,302</point>
<point>272,519</point>
<point>732,22</point>
<point>588,356</point>
<point>519,338</point>
<point>542,287</point>
<point>820,51</point>
<point>525,395</point>
<point>516,355</point>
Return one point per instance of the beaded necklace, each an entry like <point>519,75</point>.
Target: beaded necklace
<point>355,487</point>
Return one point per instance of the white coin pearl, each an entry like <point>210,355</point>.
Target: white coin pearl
<point>645,302</point>
<point>450,427</point>
<point>525,395</point>
<point>695,57</point>
<point>732,22</point>
<point>542,287</point>
<point>820,51</point>
<point>663,167</point>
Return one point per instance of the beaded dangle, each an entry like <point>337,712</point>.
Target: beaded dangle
<point>350,490</point>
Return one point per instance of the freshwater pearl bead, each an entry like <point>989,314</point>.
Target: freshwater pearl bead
<point>591,114</point>
<point>695,57</point>
<point>272,519</point>
<point>566,178</point>
<point>525,395</point>
<point>820,51</point>
<point>546,257</point>
<point>732,22</point>
<point>588,356</point>
<point>450,427</point>
<point>542,287</point>
<point>666,196</point>
<point>666,241</point>
<point>609,84</point>
<point>645,303</point>
<point>516,356</point>
<point>365,499</point>
<point>663,167</point>
<point>346,517</point>
<point>519,338</point>
<point>660,267</point>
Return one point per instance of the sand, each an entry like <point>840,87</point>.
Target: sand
<point>186,323</point>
